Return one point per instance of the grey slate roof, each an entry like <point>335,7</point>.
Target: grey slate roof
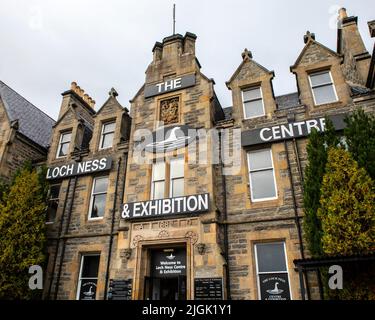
<point>228,113</point>
<point>33,123</point>
<point>357,90</point>
<point>287,100</point>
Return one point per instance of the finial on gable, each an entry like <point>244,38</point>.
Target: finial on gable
<point>246,54</point>
<point>113,93</point>
<point>308,36</point>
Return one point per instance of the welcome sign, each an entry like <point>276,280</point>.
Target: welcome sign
<point>166,207</point>
<point>79,168</point>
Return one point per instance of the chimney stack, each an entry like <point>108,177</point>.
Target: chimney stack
<point>351,46</point>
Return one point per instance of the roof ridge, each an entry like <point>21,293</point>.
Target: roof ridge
<point>2,82</point>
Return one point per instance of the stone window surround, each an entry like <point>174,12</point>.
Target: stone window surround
<point>255,256</point>
<point>167,174</point>
<point>81,259</point>
<point>103,123</point>
<point>273,173</point>
<point>89,218</point>
<point>50,199</point>
<point>318,71</point>
<point>251,87</point>
<point>61,134</point>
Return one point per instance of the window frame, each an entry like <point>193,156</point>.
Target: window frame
<point>102,134</point>
<point>251,100</point>
<point>271,272</point>
<point>92,195</point>
<point>263,169</point>
<point>83,255</point>
<point>160,180</point>
<point>53,199</point>
<point>171,179</point>
<point>332,83</point>
<point>60,143</point>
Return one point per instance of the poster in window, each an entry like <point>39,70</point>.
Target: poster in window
<point>88,289</point>
<point>274,286</point>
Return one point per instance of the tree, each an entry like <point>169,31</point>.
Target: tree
<point>360,139</point>
<point>347,211</point>
<point>22,232</point>
<point>314,172</point>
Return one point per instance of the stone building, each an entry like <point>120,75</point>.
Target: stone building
<point>144,204</point>
<point>25,132</point>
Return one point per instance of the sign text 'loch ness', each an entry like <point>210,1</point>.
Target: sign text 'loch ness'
<point>79,168</point>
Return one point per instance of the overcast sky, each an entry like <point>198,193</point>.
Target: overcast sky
<point>44,45</point>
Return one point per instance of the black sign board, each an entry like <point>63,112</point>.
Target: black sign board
<point>169,85</point>
<point>170,138</point>
<point>165,207</point>
<point>88,289</point>
<point>168,263</point>
<point>274,286</point>
<point>208,288</point>
<point>289,130</point>
<point>79,168</point>
<point>120,289</point>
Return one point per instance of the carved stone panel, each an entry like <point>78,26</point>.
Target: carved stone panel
<point>169,110</point>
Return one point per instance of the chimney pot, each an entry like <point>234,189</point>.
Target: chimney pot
<point>342,13</point>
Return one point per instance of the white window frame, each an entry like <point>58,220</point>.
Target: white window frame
<point>263,169</point>
<point>324,84</point>
<point>243,101</point>
<point>175,178</point>
<point>102,134</point>
<point>271,272</point>
<point>52,199</point>
<point>60,141</point>
<point>153,181</point>
<point>98,193</point>
<point>80,273</point>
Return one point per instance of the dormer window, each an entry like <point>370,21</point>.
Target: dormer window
<point>108,132</point>
<point>64,143</point>
<point>252,102</point>
<point>322,87</point>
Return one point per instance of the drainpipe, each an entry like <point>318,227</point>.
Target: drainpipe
<point>65,239</point>
<point>112,227</point>
<point>297,220</point>
<point>225,215</point>
<point>58,240</point>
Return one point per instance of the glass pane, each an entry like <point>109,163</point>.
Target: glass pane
<point>109,127</point>
<point>177,187</point>
<point>90,267</point>
<point>253,109</point>
<point>260,159</point>
<point>98,206</point>
<point>54,191</point>
<point>158,190</point>
<point>177,167</point>
<point>51,210</point>
<point>107,140</point>
<point>271,257</point>
<point>262,184</point>
<point>320,78</point>
<point>251,94</point>
<point>324,94</point>
<point>64,148</point>
<point>66,137</point>
<point>158,170</point>
<point>101,184</point>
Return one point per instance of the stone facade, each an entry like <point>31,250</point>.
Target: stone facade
<point>219,243</point>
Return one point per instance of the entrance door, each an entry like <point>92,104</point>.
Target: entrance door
<point>168,275</point>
